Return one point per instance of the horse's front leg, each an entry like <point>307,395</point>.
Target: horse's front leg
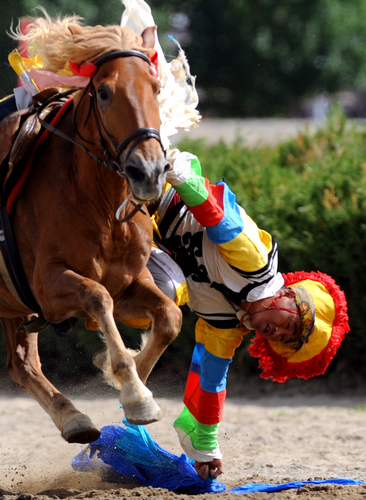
<point>67,293</point>
<point>24,367</point>
<point>143,299</point>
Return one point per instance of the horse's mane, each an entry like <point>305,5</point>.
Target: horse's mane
<point>65,39</point>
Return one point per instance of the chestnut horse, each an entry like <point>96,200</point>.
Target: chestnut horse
<point>80,260</point>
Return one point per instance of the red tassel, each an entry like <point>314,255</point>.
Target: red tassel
<point>276,366</point>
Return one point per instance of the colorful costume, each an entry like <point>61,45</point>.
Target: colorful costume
<point>226,259</point>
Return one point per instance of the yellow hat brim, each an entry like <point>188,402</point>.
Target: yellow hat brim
<point>324,318</point>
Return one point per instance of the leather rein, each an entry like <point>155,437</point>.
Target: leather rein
<point>111,160</point>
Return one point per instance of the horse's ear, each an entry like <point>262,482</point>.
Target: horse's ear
<point>75,30</point>
<point>148,37</point>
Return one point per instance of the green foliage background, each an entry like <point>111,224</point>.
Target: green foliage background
<point>251,57</point>
<point>259,57</point>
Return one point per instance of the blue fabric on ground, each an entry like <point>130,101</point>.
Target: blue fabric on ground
<point>268,487</point>
<point>132,453</point>
<point>128,454</point>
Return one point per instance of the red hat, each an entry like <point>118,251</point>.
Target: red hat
<point>281,361</point>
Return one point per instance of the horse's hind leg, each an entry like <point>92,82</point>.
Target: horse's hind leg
<point>24,367</point>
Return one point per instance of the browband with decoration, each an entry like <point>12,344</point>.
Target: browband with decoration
<point>83,69</point>
<point>78,75</point>
<point>89,69</point>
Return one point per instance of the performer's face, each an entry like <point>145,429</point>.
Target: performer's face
<point>274,323</point>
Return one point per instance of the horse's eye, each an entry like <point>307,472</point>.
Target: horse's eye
<point>103,94</point>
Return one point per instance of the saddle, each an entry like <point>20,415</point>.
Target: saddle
<point>19,132</point>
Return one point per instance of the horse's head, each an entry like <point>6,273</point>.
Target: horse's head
<point>121,96</point>
<point>125,89</point>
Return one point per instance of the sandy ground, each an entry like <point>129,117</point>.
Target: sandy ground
<point>253,132</point>
<point>273,439</point>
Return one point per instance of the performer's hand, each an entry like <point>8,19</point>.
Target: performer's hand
<point>181,170</point>
<point>172,155</point>
<point>213,468</point>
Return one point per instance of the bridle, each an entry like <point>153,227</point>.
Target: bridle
<point>111,160</point>
<point>137,135</point>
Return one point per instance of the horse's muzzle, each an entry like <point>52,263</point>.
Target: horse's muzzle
<point>146,177</point>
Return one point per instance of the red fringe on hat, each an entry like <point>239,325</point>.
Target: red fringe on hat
<point>278,367</point>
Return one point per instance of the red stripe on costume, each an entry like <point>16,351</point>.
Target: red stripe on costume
<point>206,407</point>
<point>175,200</point>
<point>20,183</point>
<point>211,211</point>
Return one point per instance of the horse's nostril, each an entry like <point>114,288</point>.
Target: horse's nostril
<point>166,168</point>
<point>135,174</point>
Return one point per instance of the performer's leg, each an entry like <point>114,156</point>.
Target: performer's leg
<point>168,276</point>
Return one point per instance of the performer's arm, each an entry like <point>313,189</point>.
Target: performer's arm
<point>241,243</point>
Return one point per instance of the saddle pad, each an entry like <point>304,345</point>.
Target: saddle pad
<point>23,174</point>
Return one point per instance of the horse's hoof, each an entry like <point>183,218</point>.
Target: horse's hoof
<point>143,413</point>
<point>80,430</point>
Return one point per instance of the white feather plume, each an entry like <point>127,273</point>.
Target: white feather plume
<point>178,98</point>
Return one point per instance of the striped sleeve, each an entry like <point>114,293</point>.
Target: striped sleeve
<point>240,242</point>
